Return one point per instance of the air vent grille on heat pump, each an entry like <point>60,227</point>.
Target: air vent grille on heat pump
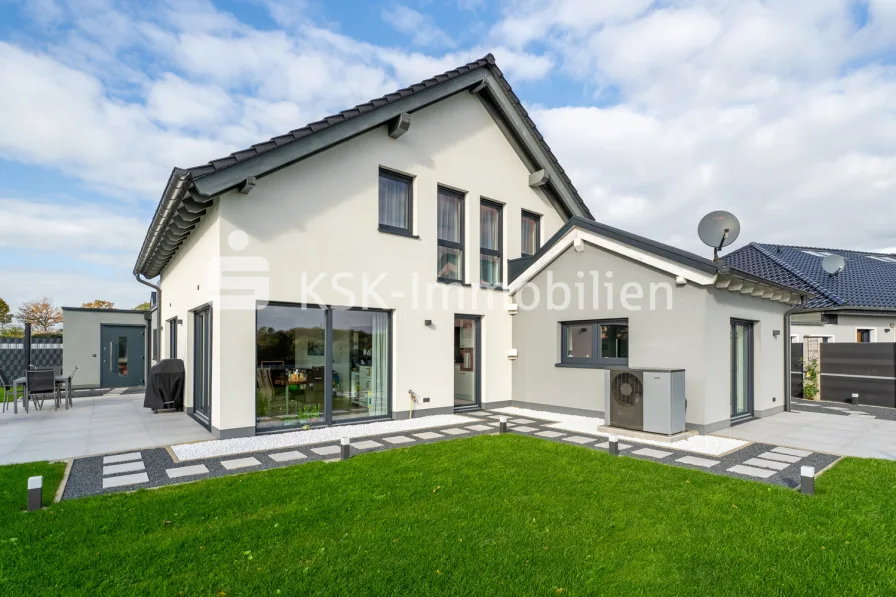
<point>627,390</point>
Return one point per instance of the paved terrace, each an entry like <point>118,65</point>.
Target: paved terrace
<point>94,425</point>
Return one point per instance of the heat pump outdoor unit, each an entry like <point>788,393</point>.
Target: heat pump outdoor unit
<point>650,400</point>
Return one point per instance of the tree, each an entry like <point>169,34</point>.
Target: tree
<point>5,315</point>
<point>42,314</point>
<point>143,307</point>
<point>98,304</point>
<point>12,331</point>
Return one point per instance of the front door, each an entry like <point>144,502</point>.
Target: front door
<point>123,350</point>
<point>202,364</point>
<point>741,370</point>
<point>467,343</point>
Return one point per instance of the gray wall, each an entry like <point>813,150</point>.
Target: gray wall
<point>693,335</point>
<point>845,329</point>
<point>81,341</point>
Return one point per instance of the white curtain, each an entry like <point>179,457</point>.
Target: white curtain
<point>379,370</point>
<point>450,208</point>
<point>488,227</point>
<point>529,242</point>
<point>393,202</point>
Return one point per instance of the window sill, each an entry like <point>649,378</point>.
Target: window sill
<point>398,232</point>
<point>590,365</point>
<point>452,282</point>
<point>485,286</point>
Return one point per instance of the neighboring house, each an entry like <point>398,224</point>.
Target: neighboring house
<point>358,268</point>
<point>856,305</point>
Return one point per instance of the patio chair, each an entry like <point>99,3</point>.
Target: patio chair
<point>6,384</point>
<point>41,382</point>
<point>63,385</point>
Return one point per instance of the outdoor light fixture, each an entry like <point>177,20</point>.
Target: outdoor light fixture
<point>807,480</point>
<point>578,244</point>
<point>681,280</point>
<point>614,445</point>
<point>35,489</point>
<point>427,323</point>
<point>776,333</point>
<point>512,308</point>
<point>502,425</point>
<point>513,354</point>
<point>346,448</point>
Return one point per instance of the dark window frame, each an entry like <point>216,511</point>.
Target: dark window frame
<point>397,177</point>
<point>172,338</point>
<point>537,219</point>
<point>596,360</point>
<point>451,244</point>
<point>499,253</point>
<point>327,311</point>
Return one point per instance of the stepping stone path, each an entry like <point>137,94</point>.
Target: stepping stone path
<point>123,463</point>
<point>132,470</point>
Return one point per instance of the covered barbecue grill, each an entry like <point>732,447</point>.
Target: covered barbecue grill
<point>165,386</point>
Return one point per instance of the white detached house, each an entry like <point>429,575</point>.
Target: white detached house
<point>361,267</point>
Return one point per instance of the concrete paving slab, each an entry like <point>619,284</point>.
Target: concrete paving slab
<point>769,464</point>
<point>749,471</point>
<point>326,450</point>
<point>652,453</point>
<point>116,458</point>
<point>123,480</point>
<point>240,463</point>
<point>125,467</point>
<point>399,439</point>
<point>428,435</point>
<point>287,456</point>
<point>368,444</point>
<point>187,471</point>
<point>580,439</point>
<point>792,452</point>
<point>696,461</point>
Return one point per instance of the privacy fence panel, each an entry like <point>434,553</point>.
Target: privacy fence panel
<point>796,369</point>
<point>46,352</point>
<point>861,373</point>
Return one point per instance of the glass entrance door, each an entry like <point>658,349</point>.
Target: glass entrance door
<point>741,370</point>
<point>467,343</point>
<point>202,364</point>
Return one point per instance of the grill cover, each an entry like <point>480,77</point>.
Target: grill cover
<point>165,386</point>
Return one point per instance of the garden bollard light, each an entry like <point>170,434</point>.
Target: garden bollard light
<point>807,480</point>
<point>346,448</point>
<point>35,488</point>
<point>502,425</point>
<point>614,445</point>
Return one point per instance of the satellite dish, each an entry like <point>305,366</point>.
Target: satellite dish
<point>718,229</point>
<point>833,264</point>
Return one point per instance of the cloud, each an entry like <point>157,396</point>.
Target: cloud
<point>422,28</point>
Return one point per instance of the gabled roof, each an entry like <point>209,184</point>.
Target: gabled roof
<point>690,266</point>
<point>181,205</point>
<point>864,283</point>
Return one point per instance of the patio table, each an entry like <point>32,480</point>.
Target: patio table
<point>21,381</point>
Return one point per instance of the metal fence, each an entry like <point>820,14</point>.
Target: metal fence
<point>46,352</point>
<point>859,372</point>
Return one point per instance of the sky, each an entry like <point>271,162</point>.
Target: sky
<point>782,112</point>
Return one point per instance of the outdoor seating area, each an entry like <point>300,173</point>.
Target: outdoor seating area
<point>34,387</point>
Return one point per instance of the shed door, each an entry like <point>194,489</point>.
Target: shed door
<point>123,350</point>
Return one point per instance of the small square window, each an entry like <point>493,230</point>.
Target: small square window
<point>396,206</point>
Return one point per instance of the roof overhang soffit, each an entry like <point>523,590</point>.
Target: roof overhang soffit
<point>758,288</point>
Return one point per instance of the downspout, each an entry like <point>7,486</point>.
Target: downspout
<point>158,317</point>
<point>787,359</point>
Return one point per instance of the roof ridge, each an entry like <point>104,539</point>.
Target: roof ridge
<point>799,274</point>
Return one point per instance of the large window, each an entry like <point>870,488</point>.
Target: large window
<point>451,236</point>
<point>396,203</point>
<point>594,343</point>
<point>531,233</point>
<point>320,366</point>
<point>490,243</point>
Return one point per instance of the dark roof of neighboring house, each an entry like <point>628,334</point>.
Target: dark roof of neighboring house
<point>517,266</point>
<point>229,172</point>
<point>864,283</point>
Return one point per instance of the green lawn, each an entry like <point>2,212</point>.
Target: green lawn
<point>490,515</point>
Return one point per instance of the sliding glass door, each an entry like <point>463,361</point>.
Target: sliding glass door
<point>741,370</point>
<point>318,366</point>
